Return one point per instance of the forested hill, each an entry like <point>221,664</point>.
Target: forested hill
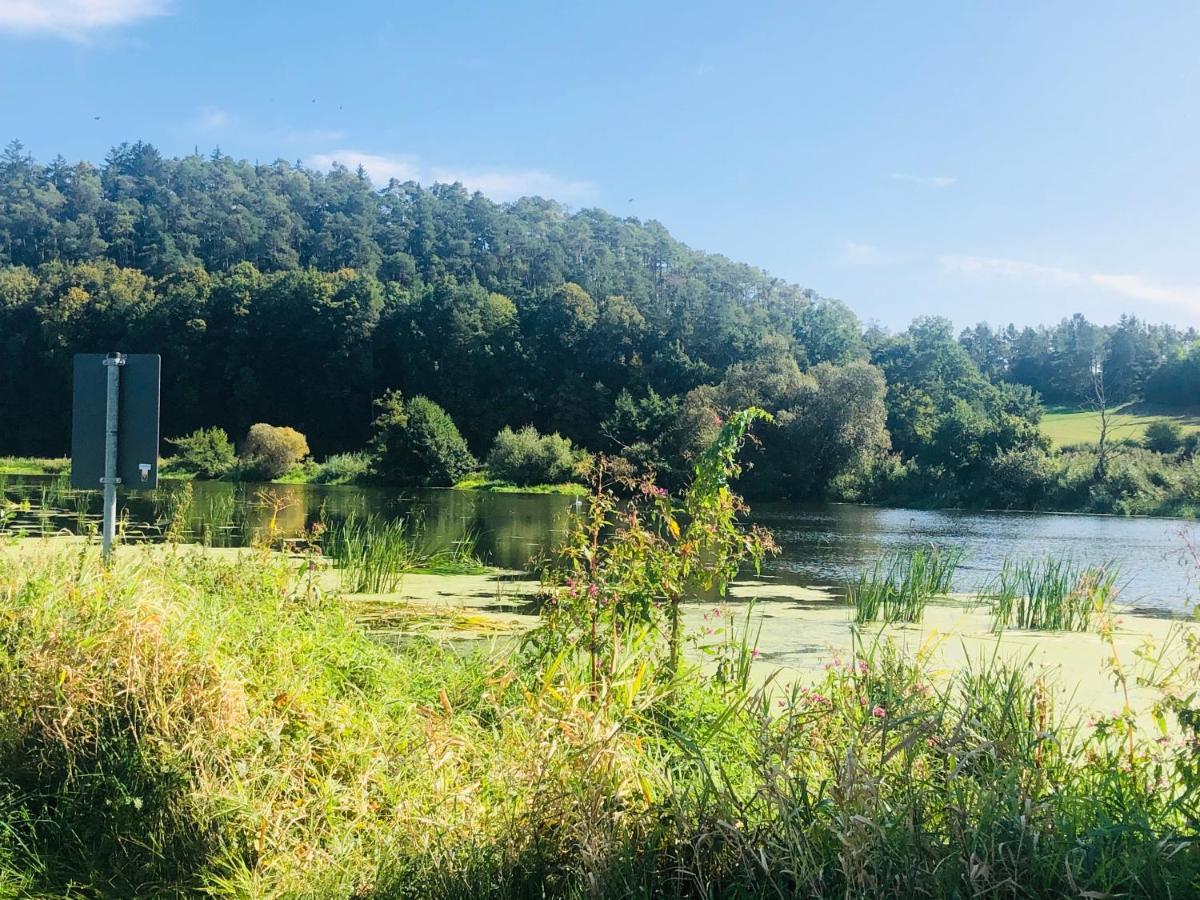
<point>280,294</point>
<point>276,293</point>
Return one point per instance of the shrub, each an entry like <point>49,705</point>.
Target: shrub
<point>344,468</point>
<point>206,452</point>
<point>525,457</point>
<point>1020,478</point>
<point>417,442</point>
<point>1163,436</point>
<point>270,451</point>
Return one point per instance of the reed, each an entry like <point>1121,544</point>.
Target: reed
<point>900,585</point>
<point>373,553</point>
<point>1050,594</point>
<point>217,511</point>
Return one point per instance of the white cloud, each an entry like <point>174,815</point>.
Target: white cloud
<point>1132,287</point>
<point>498,184</point>
<point>211,118</point>
<point>74,19</point>
<point>380,168</point>
<point>512,185</point>
<point>933,181</point>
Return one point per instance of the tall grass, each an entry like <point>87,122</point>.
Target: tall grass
<point>900,585</point>
<point>373,553</point>
<point>1050,594</point>
<point>217,514</point>
<point>181,726</point>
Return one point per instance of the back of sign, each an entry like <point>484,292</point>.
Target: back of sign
<point>137,428</point>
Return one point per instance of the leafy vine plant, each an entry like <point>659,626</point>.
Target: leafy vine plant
<point>634,554</point>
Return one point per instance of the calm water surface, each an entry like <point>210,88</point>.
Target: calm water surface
<point>824,545</point>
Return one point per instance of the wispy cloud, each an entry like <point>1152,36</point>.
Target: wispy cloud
<point>1132,287</point>
<point>211,118</point>
<point>499,184</point>
<point>933,181</point>
<point>381,168</point>
<point>75,19</point>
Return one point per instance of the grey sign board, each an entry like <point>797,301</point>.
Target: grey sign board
<point>137,430</point>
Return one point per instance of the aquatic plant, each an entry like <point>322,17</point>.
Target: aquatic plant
<point>176,512</point>
<point>217,512</point>
<point>899,585</point>
<point>1050,594</point>
<point>372,553</point>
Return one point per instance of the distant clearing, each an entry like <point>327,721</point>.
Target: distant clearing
<point>1066,426</point>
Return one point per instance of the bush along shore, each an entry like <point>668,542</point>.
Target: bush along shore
<point>184,724</point>
<point>414,443</point>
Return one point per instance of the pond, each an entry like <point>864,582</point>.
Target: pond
<point>821,545</point>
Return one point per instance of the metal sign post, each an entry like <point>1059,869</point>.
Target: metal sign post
<point>111,426</point>
<point>114,428</point>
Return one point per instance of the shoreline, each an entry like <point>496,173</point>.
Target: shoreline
<point>798,631</point>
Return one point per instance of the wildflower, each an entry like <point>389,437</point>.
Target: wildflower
<point>879,712</point>
<point>862,666</point>
<point>755,653</point>
<point>593,590</point>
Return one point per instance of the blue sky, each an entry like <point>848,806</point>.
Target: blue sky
<point>1000,161</point>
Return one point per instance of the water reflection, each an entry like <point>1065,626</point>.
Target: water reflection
<point>509,529</point>
<point>821,545</point>
<point>828,545</point>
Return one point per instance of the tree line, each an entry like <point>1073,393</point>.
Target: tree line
<point>280,294</point>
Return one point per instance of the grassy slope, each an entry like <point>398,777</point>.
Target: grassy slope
<point>1067,426</point>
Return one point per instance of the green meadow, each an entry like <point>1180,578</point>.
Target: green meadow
<point>1067,426</point>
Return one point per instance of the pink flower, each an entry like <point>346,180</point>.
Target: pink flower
<point>862,665</point>
<point>755,653</point>
<point>879,712</point>
<point>593,590</point>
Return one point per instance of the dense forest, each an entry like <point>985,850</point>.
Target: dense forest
<point>301,298</point>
